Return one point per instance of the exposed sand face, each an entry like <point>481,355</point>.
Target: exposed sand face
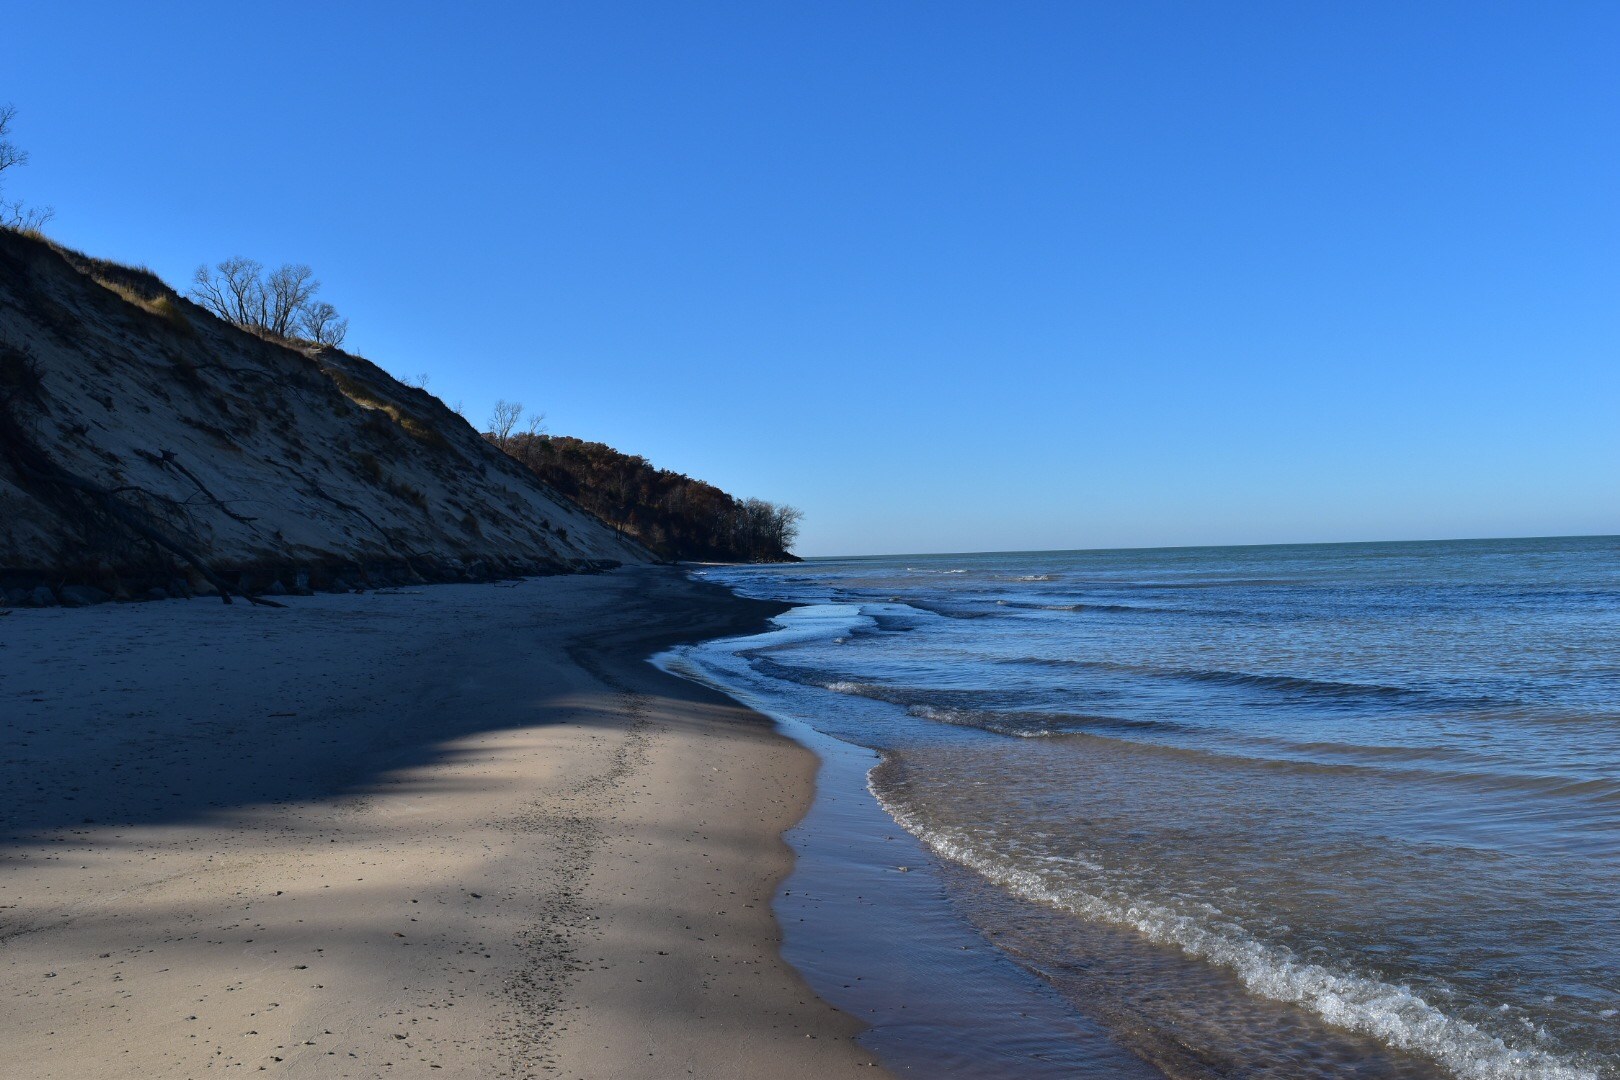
<point>307,461</point>
<point>490,842</point>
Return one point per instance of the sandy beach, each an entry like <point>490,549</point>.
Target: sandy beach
<point>458,830</point>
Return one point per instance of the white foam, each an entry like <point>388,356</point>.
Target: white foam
<point>982,721</point>
<point>1393,1014</point>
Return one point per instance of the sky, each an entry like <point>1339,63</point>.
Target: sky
<point>947,277</point>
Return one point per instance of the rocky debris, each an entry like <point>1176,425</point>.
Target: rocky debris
<point>101,584</point>
<point>83,596</point>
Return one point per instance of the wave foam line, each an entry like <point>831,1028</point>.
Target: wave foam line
<point>1393,1014</point>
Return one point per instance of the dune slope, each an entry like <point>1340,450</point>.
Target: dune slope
<point>146,444</point>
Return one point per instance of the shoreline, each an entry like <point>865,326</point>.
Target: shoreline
<point>452,831</point>
<point>871,918</point>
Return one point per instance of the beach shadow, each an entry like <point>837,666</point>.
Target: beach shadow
<point>187,711</point>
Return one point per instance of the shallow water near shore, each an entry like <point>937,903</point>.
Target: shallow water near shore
<point>1339,810</point>
<point>867,918</point>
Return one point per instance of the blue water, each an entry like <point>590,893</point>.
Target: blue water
<point>1328,810</point>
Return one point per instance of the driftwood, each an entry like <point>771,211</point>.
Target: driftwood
<point>34,463</point>
<point>168,459</point>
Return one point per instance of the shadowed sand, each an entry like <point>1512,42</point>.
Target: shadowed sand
<point>455,831</point>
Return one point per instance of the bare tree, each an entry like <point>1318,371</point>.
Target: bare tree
<point>525,444</point>
<point>15,214</point>
<point>10,153</point>
<point>281,303</point>
<point>321,324</point>
<point>287,292</point>
<point>503,420</point>
<point>621,487</point>
<point>786,526</point>
<point>232,290</point>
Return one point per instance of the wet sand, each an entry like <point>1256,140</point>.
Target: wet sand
<point>451,831</point>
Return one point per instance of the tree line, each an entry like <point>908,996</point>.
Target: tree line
<point>674,515</point>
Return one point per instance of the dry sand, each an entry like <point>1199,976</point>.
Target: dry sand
<point>451,831</point>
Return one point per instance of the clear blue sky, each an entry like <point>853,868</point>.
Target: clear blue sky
<point>947,276</point>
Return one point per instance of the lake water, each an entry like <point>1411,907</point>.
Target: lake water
<point>1326,810</point>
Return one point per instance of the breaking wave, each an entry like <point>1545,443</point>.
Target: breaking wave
<point>1393,1014</point>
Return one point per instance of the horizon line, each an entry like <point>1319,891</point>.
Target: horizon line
<point>1205,547</point>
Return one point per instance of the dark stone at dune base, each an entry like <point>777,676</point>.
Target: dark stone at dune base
<point>83,596</point>
<point>15,597</point>
<point>179,588</point>
<point>276,589</point>
<point>42,597</point>
<point>157,594</point>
